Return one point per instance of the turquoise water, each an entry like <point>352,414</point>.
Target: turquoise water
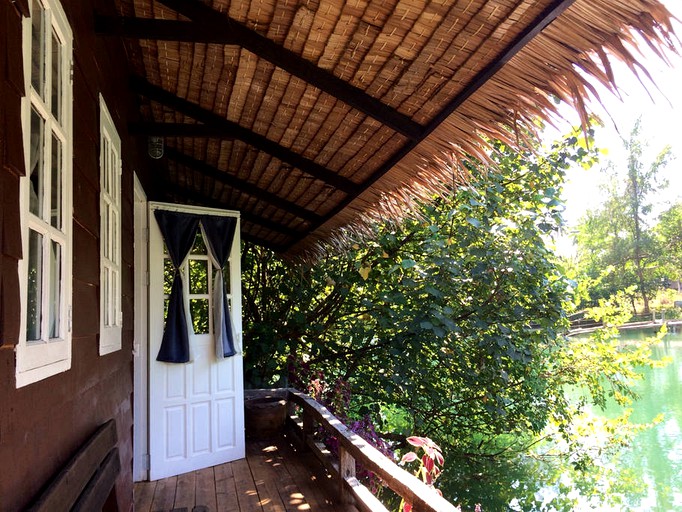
<point>645,475</point>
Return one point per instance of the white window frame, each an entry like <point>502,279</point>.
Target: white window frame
<point>38,359</point>
<point>111,315</point>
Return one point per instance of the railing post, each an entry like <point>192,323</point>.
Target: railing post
<point>308,426</point>
<point>346,470</point>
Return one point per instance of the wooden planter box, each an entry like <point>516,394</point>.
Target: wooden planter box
<point>265,412</point>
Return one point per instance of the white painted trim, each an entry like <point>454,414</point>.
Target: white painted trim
<point>141,337</point>
<point>199,210</point>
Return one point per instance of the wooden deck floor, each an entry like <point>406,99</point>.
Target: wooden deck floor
<point>273,477</point>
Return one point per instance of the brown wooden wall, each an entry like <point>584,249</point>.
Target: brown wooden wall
<point>42,424</point>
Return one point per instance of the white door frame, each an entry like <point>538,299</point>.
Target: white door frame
<point>141,335</point>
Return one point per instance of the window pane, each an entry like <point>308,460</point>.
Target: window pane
<point>105,234</point>
<point>104,155</point>
<point>115,298</point>
<point>55,289</point>
<point>38,48</point>
<point>37,165</point>
<point>199,247</point>
<point>168,274</point>
<point>34,300</point>
<point>57,71</point>
<point>199,311</point>
<point>198,276</point>
<point>106,306</point>
<point>114,236</point>
<point>226,276</point>
<point>56,192</point>
<point>112,172</point>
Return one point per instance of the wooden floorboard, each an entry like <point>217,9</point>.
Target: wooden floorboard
<point>274,483</point>
<point>226,492</point>
<point>144,495</point>
<point>164,494</point>
<point>185,491</point>
<point>273,478</point>
<point>205,489</point>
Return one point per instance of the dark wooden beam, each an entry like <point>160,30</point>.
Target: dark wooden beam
<point>203,200</point>
<point>241,185</point>
<point>210,26</point>
<point>233,130</point>
<point>552,12</point>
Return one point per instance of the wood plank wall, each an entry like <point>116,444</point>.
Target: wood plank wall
<point>42,424</point>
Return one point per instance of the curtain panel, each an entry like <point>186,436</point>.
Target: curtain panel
<point>179,231</point>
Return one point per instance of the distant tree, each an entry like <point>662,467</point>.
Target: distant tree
<point>451,319</point>
<point>616,242</point>
<point>669,233</point>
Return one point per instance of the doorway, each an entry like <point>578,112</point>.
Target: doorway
<point>195,409</point>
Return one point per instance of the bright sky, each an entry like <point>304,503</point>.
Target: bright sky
<point>661,113</point>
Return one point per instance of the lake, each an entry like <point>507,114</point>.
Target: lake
<point>646,475</point>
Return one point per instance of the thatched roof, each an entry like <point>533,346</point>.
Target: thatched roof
<point>308,116</point>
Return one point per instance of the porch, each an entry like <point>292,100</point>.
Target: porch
<point>273,477</point>
<point>292,471</point>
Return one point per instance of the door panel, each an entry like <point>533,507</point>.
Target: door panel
<point>196,409</point>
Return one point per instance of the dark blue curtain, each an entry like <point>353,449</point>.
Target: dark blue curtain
<point>179,231</point>
<point>219,235</point>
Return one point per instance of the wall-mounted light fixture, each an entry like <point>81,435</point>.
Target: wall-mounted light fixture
<point>155,147</point>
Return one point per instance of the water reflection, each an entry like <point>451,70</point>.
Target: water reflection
<point>645,476</point>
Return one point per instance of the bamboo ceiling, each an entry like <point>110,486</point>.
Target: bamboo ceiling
<point>312,116</point>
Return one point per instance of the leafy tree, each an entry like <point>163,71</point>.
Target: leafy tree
<point>450,316</point>
<point>669,233</point>
<point>447,325</point>
<point>615,242</point>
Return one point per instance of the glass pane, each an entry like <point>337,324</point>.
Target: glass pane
<point>38,48</point>
<point>37,166</point>
<point>105,233</point>
<point>104,163</point>
<point>55,289</point>
<point>199,311</point>
<point>56,187</point>
<point>56,95</point>
<point>34,300</point>
<point>115,298</point>
<point>165,309</point>
<point>114,236</point>
<point>198,276</point>
<point>112,172</point>
<point>199,247</point>
<point>226,276</point>
<point>106,307</point>
<point>168,273</point>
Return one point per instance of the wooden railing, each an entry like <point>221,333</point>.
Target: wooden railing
<point>352,449</point>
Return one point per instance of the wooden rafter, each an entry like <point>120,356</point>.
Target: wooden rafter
<point>229,129</point>
<point>209,26</point>
<point>239,184</point>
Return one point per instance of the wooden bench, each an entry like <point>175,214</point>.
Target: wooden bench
<point>85,483</point>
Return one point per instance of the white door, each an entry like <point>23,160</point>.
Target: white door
<point>196,412</point>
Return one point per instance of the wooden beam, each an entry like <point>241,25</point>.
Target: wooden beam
<point>238,184</point>
<point>198,197</point>
<point>553,11</point>
<point>211,26</point>
<point>233,130</point>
